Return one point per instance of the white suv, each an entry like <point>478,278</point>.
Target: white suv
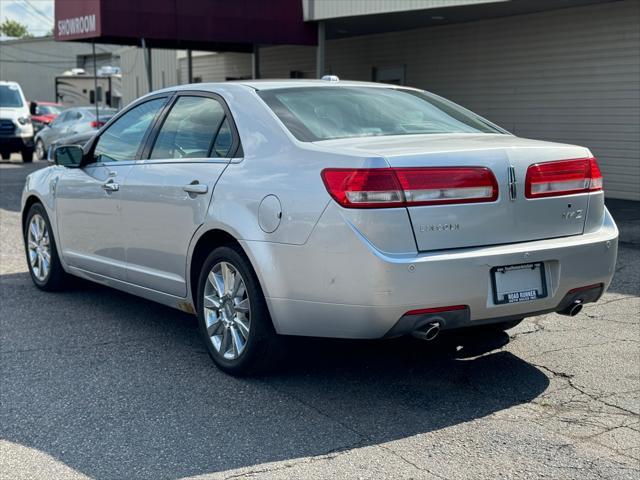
<point>16,130</point>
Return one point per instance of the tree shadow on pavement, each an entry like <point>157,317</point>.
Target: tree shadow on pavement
<point>115,386</point>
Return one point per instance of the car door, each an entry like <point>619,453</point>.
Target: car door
<point>53,132</point>
<point>73,117</point>
<point>79,122</point>
<point>166,196</point>
<point>88,198</point>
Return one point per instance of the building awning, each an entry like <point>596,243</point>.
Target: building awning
<point>217,25</point>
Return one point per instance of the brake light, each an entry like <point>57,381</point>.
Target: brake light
<point>404,187</point>
<point>564,177</point>
<point>96,124</point>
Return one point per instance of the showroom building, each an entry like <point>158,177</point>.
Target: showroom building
<point>560,70</point>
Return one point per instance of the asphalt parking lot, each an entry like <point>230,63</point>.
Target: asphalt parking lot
<point>95,383</point>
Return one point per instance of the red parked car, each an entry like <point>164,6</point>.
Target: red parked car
<point>45,113</point>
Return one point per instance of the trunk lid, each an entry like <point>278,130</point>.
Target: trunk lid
<point>511,218</point>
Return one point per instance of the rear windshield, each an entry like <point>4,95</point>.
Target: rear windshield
<point>104,114</point>
<point>48,110</point>
<point>10,97</point>
<point>324,113</point>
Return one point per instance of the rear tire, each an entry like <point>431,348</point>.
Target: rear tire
<point>42,255</point>
<point>27,155</point>
<point>233,317</point>
<point>5,155</point>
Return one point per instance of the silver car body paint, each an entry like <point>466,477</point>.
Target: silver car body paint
<point>326,270</point>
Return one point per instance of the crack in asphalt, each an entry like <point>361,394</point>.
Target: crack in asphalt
<point>363,438</point>
<point>569,378</point>
<point>329,455</point>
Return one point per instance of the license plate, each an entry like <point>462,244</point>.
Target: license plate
<point>518,283</point>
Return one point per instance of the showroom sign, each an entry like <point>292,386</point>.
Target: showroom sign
<point>78,20</point>
<point>77,25</point>
<point>221,24</point>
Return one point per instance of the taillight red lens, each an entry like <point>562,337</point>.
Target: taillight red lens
<point>564,177</point>
<point>400,187</point>
<point>96,124</point>
<point>363,188</point>
<point>445,185</point>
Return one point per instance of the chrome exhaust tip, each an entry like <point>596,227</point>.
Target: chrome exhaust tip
<point>572,310</point>
<point>427,332</point>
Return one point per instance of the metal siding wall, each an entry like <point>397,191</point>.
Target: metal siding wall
<point>164,66</point>
<point>34,63</point>
<point>570,75</point>
<point>322,9</point>
<point>277,62</point>
<point>216,67</point>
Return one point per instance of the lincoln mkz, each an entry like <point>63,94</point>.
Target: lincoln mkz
<point>321,208</point>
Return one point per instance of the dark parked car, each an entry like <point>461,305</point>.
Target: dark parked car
<point>69,122</point>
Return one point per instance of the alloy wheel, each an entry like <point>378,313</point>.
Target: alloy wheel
<point>227,311</point>
<point>39,247</point>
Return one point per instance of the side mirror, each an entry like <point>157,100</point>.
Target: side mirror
<point>69,156</point>
<point>33,108</point>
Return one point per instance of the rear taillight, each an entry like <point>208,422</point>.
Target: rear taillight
<point>96,124</point>
<point>564,177</point>
<point>403,187</point>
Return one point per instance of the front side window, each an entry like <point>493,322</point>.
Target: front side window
<point>324,113</point>
<point>123,138</point>
<point>10,97</point>
<point>190,128</point>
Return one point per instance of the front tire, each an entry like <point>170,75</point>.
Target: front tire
<point>41,152</point>
<point>27,155</point>
<point>42,256</point>
<point>233,316</point>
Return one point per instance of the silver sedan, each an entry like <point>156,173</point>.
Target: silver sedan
<point>331,209</point>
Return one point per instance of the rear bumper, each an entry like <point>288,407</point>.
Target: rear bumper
<point>339,285</point>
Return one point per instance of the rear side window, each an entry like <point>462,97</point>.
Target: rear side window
<point>324,113</point>
<point>63,117</point>
<point>123,138</point>
<point>195,127</point>
<point>224,140</point>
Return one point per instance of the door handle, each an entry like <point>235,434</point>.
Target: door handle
<point>110,186</point>
<point>196,188</point>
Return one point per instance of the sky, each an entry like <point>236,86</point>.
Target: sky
<point>37,15</point>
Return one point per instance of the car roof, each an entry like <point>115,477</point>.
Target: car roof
<point>300,83</point>
<point>273,84</point>
<point>92,109</point>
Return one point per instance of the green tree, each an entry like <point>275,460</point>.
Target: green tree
<point>11,28</point>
